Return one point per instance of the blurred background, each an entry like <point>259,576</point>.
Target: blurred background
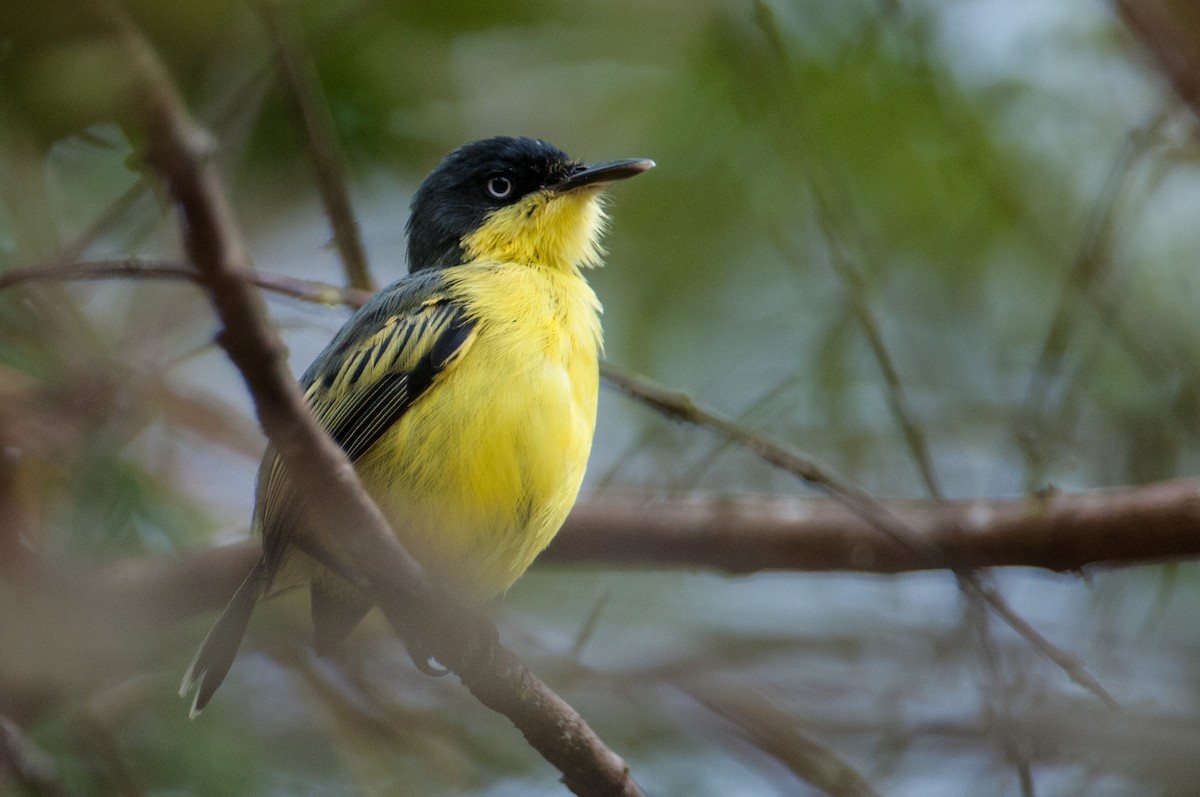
<point>994,201</point>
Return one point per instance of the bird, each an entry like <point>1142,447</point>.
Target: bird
<point>464,394</point>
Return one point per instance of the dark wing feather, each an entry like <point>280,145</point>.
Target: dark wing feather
<point>389,372</point>
<point>382,361</point>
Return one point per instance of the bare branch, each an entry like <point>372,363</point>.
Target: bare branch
<point>1063,532</point>
<point>349,531</point>
<point>1163,30</point>
<point>834,211</point>
<point>928,550</point>
<point>1091,267</point>
<point>680,407</point>
<point>28,765</point>
<point>303,87</point>
<point>136,268</point>
<point>1057,531</point>
<point>780,736</point>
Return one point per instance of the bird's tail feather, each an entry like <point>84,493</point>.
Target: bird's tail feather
<point>219,648</point>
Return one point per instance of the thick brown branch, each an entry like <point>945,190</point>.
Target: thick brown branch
<point>95,613</point>
<point>1063,532</point>
<point>348,531</point>
<point>1170,30</point>
<point>1057,531</point>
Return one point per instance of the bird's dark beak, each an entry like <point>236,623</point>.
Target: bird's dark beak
<point>600,174</point>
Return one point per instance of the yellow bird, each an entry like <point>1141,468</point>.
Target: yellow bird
<point>464,393</point>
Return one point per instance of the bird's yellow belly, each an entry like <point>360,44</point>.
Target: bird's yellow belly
<point>480,474</point>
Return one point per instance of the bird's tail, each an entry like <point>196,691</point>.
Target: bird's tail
<point>219,648</point>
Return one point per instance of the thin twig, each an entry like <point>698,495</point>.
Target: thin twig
<point>779,735</point>
<point>220,117</point>
<point>590,624</point>
<point>693,475</point>
<point>1092,261</point>
<point>996,707</point>
<point>815,165</point>
<point>972,585</point>
<point>897,398</point>
<point>28,765</point>
<point>681,407</point>
<point>309,291</point>
<point>304,90</point>
<point>347,531</point>
<point>111,215</point>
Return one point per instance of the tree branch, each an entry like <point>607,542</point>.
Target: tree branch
<point>348,531</point>
<point>1057,531</point>
<point>779,735</point>
<point>1167,30</point>
<point>28,765</point>
<point>680,406</point>
<point>836,214</point>
<point>303,88</point>
<point>1063,532</point>
<point>138,268</point>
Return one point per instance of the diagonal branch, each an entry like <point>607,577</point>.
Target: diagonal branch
<point>26,764</point>
<point>348,532</point>
<point>303,87</point>
<point>680,407</point>
<point>779,735</point>
<point>1163,30</point>
<point>834,211</point>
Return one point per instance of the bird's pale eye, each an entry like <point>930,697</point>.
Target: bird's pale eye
<point>499,186</point>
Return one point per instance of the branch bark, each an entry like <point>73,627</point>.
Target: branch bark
<point>1063,532</point>
<point>1170,30</point>
<point>1057,531</point>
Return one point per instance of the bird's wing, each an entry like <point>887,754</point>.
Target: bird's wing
<point>382,361</point>
<point>374,383</point>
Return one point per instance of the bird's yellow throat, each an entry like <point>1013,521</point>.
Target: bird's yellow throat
<point>559,230</point>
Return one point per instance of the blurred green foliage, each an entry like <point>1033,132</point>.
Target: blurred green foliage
<point>968,172</point>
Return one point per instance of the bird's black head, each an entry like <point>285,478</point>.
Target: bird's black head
<point>470,183</point>
<point>504,197</point>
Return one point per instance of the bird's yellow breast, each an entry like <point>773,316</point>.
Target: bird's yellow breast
<point>478,476</point>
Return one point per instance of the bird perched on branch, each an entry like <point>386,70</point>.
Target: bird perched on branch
<point>464,393</point>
